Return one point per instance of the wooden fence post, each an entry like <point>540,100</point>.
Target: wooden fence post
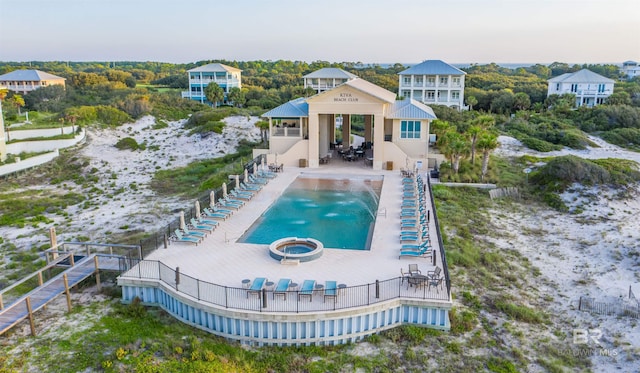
<point>66,291</point>
<point>32,323</point>
<point>95,261</point>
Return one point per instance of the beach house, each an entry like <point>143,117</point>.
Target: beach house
<point>589,88</point>
<point>433,82</point>
<point>225,76</point>
<point>25,81</point>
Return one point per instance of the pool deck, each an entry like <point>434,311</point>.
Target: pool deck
<point>220,259</point>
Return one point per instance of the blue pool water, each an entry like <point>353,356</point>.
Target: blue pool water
<point>338,212</point>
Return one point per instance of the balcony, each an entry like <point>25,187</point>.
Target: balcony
<point>285,132</point>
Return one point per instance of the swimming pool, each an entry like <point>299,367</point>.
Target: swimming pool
<point>336,211</point>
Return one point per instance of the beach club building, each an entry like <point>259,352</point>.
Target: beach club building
<point>396,132</point>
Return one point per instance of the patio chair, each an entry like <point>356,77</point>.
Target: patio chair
<point>232,201</point>
<point>436,283</point>
<point>282,288</point>
<point>331,290</point>
<point>256,286</point>
<point>403,276</point>
<point>257,180</point>
<point>413,269</point>
<point>181,238</point>
<point>435,273</point>
<point>307,289</point>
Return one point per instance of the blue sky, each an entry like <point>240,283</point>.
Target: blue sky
<point>406,31</point>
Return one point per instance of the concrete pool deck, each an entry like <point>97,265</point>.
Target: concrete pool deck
<point>219,259</point>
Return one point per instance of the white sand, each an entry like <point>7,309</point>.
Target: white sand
<point>136,207</point>
<point>592,252</point>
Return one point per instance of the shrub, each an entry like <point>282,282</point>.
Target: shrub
<point>127,143</point>
<point>539,145</point>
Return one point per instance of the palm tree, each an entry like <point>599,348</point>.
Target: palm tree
<point>264,129</point>
<point>471,100</point>
<point>478,125</point>
<point>455,148</point>
<point>487,143</point>
<point>214,93</point>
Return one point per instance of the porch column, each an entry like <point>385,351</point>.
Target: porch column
<point>314,140</point>
<point>378,141</point>
<point>346,131</point>
<point>367,128</point>
<point>332,128</point>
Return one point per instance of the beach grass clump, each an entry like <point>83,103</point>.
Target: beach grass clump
<point>129,143</point>
<point>560,173</point>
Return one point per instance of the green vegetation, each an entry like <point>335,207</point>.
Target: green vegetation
<point>130,144</point>
<point>202,175</point>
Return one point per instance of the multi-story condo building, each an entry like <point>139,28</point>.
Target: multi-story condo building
<point>589,88</point>
<point>25,81</point>
<point>225,76</point>
<point>630,69</point>
<point>433,82</point>
<point>327,78</point>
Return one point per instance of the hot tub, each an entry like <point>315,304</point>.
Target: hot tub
<point>294,249</point>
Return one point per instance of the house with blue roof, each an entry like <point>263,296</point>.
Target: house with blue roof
<point>25,81</point>
<point>433,82</point>
<point>225,76</point>
<point>590,89</point>
<point>396,132</point>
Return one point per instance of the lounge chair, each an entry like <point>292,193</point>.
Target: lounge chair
<point>241,195</point>
<point>181,238</point>
<point>203,220</point>
<point>417,254</point>
<point>330,290</point>
<point>267,174</point>
<point>307,289</point>
<point>421,246</point>
<point>282,288</point>
<point>250,187</point>
<point>215,215</point>
<point>256,286</point>
<point>198,234</point>
<point>201,226</point>
<point>257,180</point>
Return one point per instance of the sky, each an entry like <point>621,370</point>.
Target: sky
<point>368,31</point>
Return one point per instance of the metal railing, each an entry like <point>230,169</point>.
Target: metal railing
<point>161,237</point>
<point>293,300</point>
<point>443,255</point>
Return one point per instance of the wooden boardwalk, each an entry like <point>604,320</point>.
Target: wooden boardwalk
<point>38,298</point>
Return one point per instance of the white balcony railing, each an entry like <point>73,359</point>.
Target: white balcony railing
<point>285,132</point>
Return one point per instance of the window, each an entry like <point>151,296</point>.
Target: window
<point>455,95</point>
<point>431,95</point>
<point>406,94</point>
<point>557,86</point>
<point>574,88</point>
<point>406,80</point>
<point>410,129</point>
<point>455,81</point>
<point>444,80</point>
<point>418,80</point>
<point>600,88</point>
<point>431,81</point>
